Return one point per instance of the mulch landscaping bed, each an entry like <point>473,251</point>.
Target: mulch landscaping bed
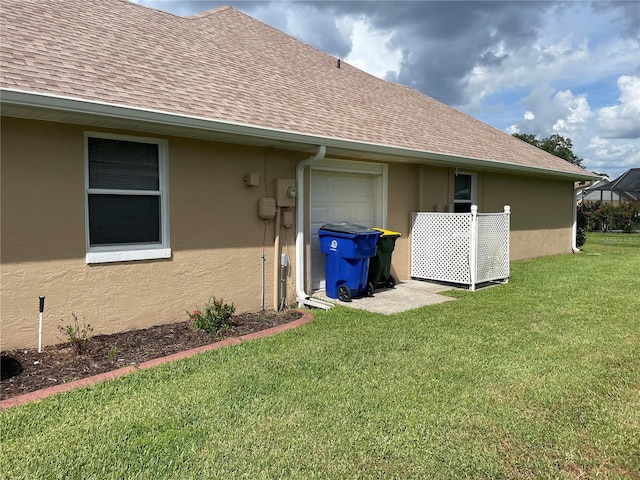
<point>26,370</point>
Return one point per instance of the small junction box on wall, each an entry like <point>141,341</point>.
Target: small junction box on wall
<point>287,219</point>
<point>267,208</point>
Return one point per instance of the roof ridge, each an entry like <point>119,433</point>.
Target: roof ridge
<point>154,9</point>
<point>207,13</point>
<point>275,30</point>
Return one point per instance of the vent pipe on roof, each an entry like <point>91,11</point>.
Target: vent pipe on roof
<point>302,297</point>
<point>338,63</point>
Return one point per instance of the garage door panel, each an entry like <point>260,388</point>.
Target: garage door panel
<point>319,214</point>
<point>338,197</point>
<point>321,187</point>
<point>341,189</point>
<point>362,217</point>
<point>362,188</point>
<point>343,212</point>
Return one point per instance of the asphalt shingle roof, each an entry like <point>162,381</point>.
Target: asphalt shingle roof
<point>224,65</point>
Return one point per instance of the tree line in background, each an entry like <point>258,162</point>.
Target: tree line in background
<point>555,144</point>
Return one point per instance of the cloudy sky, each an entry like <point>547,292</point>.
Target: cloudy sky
<point>571,68</point>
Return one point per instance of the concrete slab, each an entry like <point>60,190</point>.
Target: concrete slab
<point>405,296</point>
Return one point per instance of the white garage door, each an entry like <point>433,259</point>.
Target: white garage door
<point>340,197</point>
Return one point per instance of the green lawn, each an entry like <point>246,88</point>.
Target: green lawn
<point>539,378</point>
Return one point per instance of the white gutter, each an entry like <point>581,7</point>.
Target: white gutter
<point>82,106</point>
<point>574,226</point>
<point>302,297</point>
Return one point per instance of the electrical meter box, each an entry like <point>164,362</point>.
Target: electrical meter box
<point>285,192</point>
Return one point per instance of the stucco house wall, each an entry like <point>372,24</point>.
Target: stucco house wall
<point>216,236</point>
<point>540,225</point>
<point>403,198</point>
<point>216,233</point>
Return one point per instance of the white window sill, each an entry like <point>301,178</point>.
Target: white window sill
<point>128,255</point>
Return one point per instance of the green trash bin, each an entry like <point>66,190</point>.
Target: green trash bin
<point>380,264</point>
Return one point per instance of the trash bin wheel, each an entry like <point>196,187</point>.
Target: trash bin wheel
<point>371,288</point>
<point>391,282</point>
<point>344,293</point>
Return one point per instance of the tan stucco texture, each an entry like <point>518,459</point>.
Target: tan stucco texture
<point>216,236</point>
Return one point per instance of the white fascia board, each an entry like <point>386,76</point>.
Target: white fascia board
<point>76,105</point>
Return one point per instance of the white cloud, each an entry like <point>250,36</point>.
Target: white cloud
<point>573,112</point>
<point>370,49</point>
<point>528,65</point>
<point>511,129</point>
<point>612,156</point>
<point>574,46</point>
<point>622,120</point>
<point>548,112</point>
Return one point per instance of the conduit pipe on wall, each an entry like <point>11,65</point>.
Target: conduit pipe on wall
<point>276,262</point>
<point>264,238</point>
<point>302,297</point>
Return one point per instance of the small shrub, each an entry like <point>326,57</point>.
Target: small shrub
<point>213,316</point>
<point>113,351</point>
<point>78,336</point>
<point>581,231</point>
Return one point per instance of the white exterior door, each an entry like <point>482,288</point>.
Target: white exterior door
<point>342,196</point>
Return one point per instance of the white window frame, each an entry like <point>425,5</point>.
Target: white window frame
<point>474,190</point>
<point>124,252</point>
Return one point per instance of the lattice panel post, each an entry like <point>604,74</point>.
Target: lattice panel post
<point>473,248</point>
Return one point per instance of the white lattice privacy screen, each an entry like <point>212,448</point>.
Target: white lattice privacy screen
<point>467,248</point>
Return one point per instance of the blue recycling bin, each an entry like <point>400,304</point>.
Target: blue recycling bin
<point>347,248</point>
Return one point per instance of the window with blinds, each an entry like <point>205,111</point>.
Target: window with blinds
<point>125,192</point>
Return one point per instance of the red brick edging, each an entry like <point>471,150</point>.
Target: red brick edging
<point>83,382</point>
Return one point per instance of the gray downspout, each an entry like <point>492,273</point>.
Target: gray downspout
<point>302,297</point>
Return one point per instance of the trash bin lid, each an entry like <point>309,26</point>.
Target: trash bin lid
<point>388,233</point>
<point>346,227</point>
